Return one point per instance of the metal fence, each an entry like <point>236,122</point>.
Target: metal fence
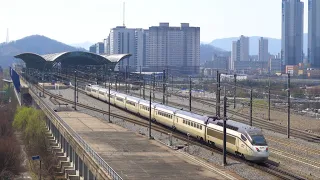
<point>95,156</point>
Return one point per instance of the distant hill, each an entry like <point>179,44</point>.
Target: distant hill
<point>274,44</point>
<point>36,44</point>
<point>207,51</point>
<point>84,45</point>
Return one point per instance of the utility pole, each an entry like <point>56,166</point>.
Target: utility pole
<point>140,82</point>
<point>269,101</point>
<point>125,78</point>
<point>75,90</point>
<point>164,87</point>
<point>97,76</point>
<point>144,88</point>
<point>288,130</point>
<point>235,91</point>
<point>190,93</point>
<point>225,128</point>
<point>154,85</point>
<point>218,95</point>
<point>104,77</point>
<point>251,107</point>
<point>172,83</point>
<point>116,83</point>
<point>109,101</point>
<point>150,137</point>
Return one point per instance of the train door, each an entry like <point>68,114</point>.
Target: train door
<point>241,145</point>
<point>175,120</point>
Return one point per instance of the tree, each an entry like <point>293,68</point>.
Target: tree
<point>10,157</point>
<point>10,152</point>
<point>31,122</point>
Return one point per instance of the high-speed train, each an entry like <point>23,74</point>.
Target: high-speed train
<point>242,140</point>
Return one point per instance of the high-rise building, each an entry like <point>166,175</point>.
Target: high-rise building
<point>107,46</point>
<point>292,32</point>
<point>263,49</point>
<point>314,33</point>
<point>174,47</point>
<point>244,48</point>
<point>140,48</point>
<point>99,48</point>
<point>240,51</point>
<point>124,40</point>
<point>92,48</point>
<point>235,54</point>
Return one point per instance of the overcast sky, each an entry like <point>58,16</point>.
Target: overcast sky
<point>75,21</point>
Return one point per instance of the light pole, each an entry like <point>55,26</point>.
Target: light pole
<point>38,158</point>
<point>218,95</point>
<point>225,128</point>
<point>109,100</point>
<point>269,97</point>
<point>190,95</point>
<point>164,87</point>
<point>235,91</point>
<point>150,137</point>
<point>288,130</point>
<point>75,90</point>
<point>251,103</point>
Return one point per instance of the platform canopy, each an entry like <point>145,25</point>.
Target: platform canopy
<point>37,61</point>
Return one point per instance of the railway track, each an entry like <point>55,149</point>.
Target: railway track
<point>269,166</point>
<point>295,146</point>
<point>255,121</point>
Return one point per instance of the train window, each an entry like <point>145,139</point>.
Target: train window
<point>189,123</point>
<point>184,121</point>
<point>119,99</point>
<point>243,138</point>
<point>200,127</point>
<point>131,103</point>
<point>192,124</point>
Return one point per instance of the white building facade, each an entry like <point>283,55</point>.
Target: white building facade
<point>263,49</point>
<point>124,40</point>
<point>240,51</point>
<point>176,48</point>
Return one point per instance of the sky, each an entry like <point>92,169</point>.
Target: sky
<point>77,21</point>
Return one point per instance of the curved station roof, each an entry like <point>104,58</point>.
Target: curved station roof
<point>33,60</point>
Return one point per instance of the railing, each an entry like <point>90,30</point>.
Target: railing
<point>50,112</point>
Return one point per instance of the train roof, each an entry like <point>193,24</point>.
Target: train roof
<point>146,103</point>
<point>103,90</point>
<point>121,95</point>
<point>133,98</point>
<point>237,126</point>
<point>187,114</point>
<point>166,108</point>
<point>191,116</point>
<point>96,88</point>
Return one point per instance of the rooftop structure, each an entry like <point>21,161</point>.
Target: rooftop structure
<point>37,61</point>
